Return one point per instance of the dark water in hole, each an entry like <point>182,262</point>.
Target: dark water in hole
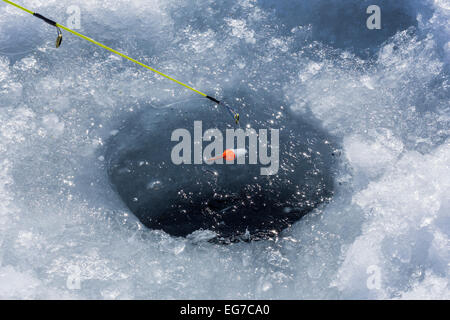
<point>235,201</point>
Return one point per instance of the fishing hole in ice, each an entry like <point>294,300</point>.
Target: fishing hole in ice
<point>234,201</point>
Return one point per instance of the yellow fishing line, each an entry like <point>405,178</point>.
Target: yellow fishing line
<point>59,39</point>
<point>128,58</point>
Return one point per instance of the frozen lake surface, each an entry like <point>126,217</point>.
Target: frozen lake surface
<point>381,96</point>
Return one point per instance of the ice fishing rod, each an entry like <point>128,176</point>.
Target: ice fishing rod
<point>59,41</point>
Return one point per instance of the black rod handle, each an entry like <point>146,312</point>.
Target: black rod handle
<point>50,22</point>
